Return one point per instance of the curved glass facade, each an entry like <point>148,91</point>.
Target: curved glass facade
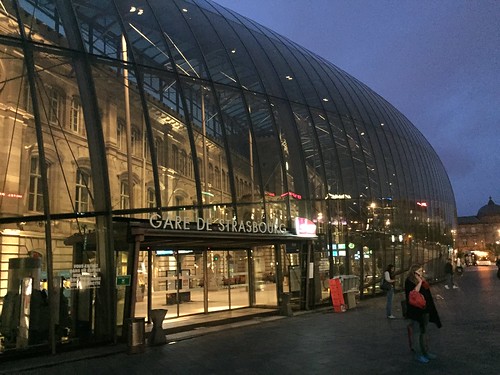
<point>123,125</point>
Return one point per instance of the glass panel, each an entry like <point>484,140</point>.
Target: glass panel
<point>242,62</point>
<point>23,289</point>
<point>267,158</point>
<point>264,266</point>
<point>238,280</point>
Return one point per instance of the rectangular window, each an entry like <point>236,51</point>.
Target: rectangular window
<point>35,196</point>
<point>120,135</point>
<point>25,102</point>
<point>82,191</point>
<point>151,198</point>
<point>55,103</point>
<point>76,117</point>
<point>124,196</point>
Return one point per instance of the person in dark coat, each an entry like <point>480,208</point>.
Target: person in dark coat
<point>420,318</point>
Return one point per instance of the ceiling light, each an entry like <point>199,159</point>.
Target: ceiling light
<point>325,99</point>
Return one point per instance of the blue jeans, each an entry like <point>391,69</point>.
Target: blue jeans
<point>388,306</point>
<point>449,280</point>
<point>419,335</point>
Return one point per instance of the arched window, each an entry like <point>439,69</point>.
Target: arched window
<point>151,198</point>
<point>82,194</point>
<point>124,195</point>
<point>35,195</point>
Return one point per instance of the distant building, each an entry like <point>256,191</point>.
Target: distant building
<point>480,232</point>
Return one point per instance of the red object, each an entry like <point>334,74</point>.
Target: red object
<point>337,295</point>
<point>417,299</point>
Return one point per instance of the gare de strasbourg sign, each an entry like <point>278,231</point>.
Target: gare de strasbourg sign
<point>303,226</point>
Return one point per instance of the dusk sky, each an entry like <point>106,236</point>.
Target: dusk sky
<point>437,62</point>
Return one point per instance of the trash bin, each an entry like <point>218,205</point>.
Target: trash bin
<point>135,335</point>
<point>157,335</point>
<point>285,308</point>
<point>350,299</point>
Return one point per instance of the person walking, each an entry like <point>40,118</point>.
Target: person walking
<point>389,278</point>
<point>419,317</point>
<point>460,269</point>
<point>448,271</point>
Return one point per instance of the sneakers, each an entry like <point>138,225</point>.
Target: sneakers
<point>430,356</point>
<point>422,359</point>
<point>455,287</point>
<point>447,287</point>
<point>391,317</point>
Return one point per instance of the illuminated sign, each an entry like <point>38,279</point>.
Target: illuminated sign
<point>338,196</point>
<point>171,252</point>
<point>291,194</point>
<point>10,195</point>
<point>340,246</point>
<point>305,227</point>
<point>216,225</point>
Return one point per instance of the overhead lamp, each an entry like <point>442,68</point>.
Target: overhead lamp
<point>325,99</point>
<point>184,10</point>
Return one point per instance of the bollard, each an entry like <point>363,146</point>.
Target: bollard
<point>135,335</point>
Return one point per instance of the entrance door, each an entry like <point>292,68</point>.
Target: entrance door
<point>227,279</point>
<point>264,268</point>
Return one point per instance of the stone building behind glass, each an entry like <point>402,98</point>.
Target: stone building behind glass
<point>176,153</point>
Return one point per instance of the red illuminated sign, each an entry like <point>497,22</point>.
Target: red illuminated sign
<point>292,194</point>
<point>304,227</point>
<point>10,195</point>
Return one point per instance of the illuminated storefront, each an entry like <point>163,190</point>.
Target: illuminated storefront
<point>173,153</point>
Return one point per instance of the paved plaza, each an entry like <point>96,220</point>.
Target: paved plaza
<point>359,341</point>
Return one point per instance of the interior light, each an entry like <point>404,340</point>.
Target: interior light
<point>140,12</point>
<point>133,9</point>
<point>233,50</point>
<point>325,99</point>
<point>184,10</point>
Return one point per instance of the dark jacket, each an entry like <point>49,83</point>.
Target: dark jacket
<point>448,268</point>
<point>417,314</point>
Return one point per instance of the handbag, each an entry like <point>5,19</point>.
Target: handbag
<point>416,299</point>
<point>384,285</point>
